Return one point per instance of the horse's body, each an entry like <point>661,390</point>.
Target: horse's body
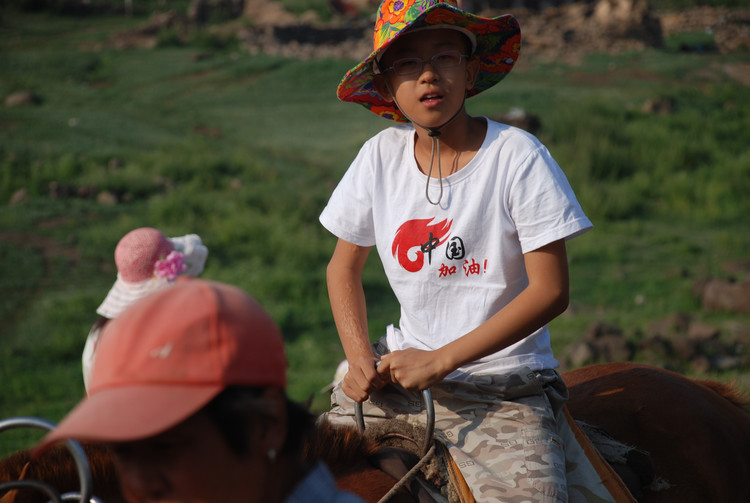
<point>697,434</point>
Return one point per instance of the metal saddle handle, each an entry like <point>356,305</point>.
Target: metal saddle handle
<point>79,456</point>
<point>430,427</point>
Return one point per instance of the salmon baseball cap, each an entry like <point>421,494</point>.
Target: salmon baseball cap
<point>167,356</point>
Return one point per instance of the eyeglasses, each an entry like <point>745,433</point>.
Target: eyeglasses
<point>406,67</point>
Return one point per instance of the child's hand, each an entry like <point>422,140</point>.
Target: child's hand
<point>362,379</point>
<point>414,369</point>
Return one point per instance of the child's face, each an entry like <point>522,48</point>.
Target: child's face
<point>432,94</point>
<point>190,463</point>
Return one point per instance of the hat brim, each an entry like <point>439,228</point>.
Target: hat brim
<point>128,413</point>
<point>498,45</point>
<point>123,294</point>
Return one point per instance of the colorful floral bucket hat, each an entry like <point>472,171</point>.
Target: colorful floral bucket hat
<point>498,41</point>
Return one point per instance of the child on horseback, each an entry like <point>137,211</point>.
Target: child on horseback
<point>470,219</point>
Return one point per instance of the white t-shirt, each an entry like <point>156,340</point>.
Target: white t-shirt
<point>452,266</point>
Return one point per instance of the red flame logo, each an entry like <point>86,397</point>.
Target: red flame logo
<point>418,234</point>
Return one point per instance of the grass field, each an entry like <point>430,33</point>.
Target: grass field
<point>245,150</point>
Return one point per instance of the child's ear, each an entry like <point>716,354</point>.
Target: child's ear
<point>382,88</point>
<point>271,429</point>
<point>472,71</point>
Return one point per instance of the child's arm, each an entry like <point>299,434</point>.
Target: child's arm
<point>347,297</point>
<point>540,302</point>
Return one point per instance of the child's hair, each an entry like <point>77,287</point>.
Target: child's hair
<point>236,407</point>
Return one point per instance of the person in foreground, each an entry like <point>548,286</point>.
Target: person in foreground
<point>188,391</point>
<point>470,219</point>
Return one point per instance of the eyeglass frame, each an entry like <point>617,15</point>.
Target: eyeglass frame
<point>422,61</point>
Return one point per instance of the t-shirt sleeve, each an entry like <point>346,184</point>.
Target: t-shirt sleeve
<point>348,214</point>
<point>542,203</point>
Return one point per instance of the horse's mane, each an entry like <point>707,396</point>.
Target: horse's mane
<point>57,468</point>
<point>730,391</point>
<point>54,467</point>
<point>339,446</point>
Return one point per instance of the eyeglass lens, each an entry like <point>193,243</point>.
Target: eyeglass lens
<point>441,60</point>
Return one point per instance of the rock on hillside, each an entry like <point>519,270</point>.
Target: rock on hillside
<point>563,32</point>
<point>569,31</point>
<point>730,27</point>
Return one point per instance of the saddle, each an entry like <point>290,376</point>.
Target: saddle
<point>431,477</point>
<point>434,477</point>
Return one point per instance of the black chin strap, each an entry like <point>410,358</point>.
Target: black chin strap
<point>434,134</point>
<point>435,137</point>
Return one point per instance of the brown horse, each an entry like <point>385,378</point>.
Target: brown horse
<point>697,434</point>
<point>359,464</point>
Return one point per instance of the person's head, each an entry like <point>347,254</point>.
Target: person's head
<point>188,389</point>
<point>426,73</point>
<point>147,261</point>
<point>404,30</point>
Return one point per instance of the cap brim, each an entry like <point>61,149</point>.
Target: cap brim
<point>127,413</point>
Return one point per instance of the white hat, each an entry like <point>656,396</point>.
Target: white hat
<point>341,371</point>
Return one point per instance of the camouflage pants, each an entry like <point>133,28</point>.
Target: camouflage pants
<point>502,431</point>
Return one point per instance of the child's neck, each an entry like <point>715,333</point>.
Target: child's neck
<point>459,142</point>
